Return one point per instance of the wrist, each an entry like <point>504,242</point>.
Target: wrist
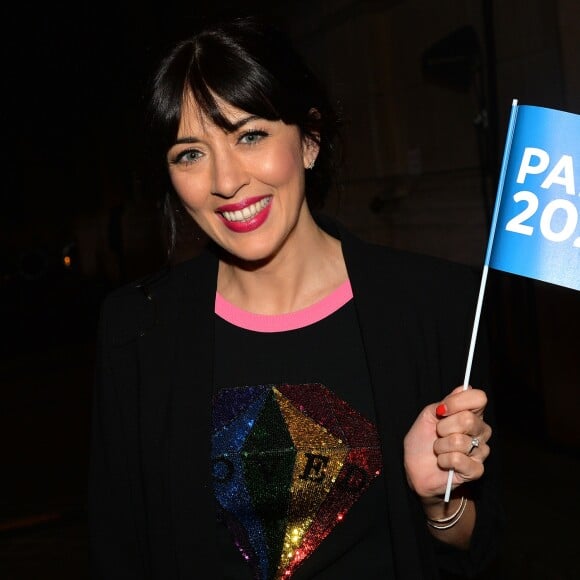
<point>436,508</point>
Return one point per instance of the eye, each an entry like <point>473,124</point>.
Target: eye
<point>186,157</point>
<point>252,137</point>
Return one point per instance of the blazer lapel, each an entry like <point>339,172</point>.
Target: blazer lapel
<point>176,365</point>
<point>385,321</point>
<point>193,510</point>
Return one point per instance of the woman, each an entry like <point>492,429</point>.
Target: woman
<point>288,402</point>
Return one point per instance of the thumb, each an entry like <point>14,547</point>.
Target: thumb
<point>441,410</point>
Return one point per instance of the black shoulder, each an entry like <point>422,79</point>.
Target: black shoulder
<point>127,311</point>
<point>138,290</point>
<point>407,268</point>
<point>153,300</point>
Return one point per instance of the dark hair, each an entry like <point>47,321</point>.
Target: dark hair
<point>253,66</point>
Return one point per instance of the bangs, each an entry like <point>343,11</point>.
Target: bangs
<point>218,71</point>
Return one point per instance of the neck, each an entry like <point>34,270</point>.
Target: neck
<point>304,271</point>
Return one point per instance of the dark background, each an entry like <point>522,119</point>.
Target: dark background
<point>73,80</point>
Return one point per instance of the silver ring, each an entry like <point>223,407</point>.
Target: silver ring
<point>474,444</point>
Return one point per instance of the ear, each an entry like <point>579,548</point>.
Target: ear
<point>311,144</point>
<point>310,149</point>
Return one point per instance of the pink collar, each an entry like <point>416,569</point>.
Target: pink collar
<point>287,321</point>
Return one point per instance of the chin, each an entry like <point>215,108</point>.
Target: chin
<point>250,256</point>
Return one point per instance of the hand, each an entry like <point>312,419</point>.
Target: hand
<point>437,443</point>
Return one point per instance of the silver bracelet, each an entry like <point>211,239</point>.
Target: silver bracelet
<point>449,521</point>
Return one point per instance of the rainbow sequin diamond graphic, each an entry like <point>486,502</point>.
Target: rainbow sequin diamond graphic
<point>289,461</point>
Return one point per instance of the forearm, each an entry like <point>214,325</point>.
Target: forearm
<point>455,531</point>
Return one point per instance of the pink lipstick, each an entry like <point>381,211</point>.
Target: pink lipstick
<point>247,215</point>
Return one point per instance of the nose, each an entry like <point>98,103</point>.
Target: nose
<point>229,175</point>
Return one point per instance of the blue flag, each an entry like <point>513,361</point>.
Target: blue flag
<point>535,230</point>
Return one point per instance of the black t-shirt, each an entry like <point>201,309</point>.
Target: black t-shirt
<point>297,463</point>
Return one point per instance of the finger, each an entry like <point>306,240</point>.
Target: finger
<point>461,400</point>
<point>465,468</point>
<point>464,422</point>
<point>460,443</point>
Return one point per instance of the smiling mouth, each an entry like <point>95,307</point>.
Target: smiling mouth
<point>247,213</point>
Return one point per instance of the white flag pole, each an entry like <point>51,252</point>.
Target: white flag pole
<point>470,357</point>
<point>511,126</point>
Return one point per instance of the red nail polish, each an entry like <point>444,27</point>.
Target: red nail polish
<point>441,410</point>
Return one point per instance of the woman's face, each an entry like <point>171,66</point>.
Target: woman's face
<point>244,188</point>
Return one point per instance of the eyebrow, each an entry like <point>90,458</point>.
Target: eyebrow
<point>235,126</point>
<point>241,122</point>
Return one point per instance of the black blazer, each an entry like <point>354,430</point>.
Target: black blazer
<point>151,513</point>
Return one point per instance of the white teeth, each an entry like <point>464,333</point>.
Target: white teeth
<point>248,212</point>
